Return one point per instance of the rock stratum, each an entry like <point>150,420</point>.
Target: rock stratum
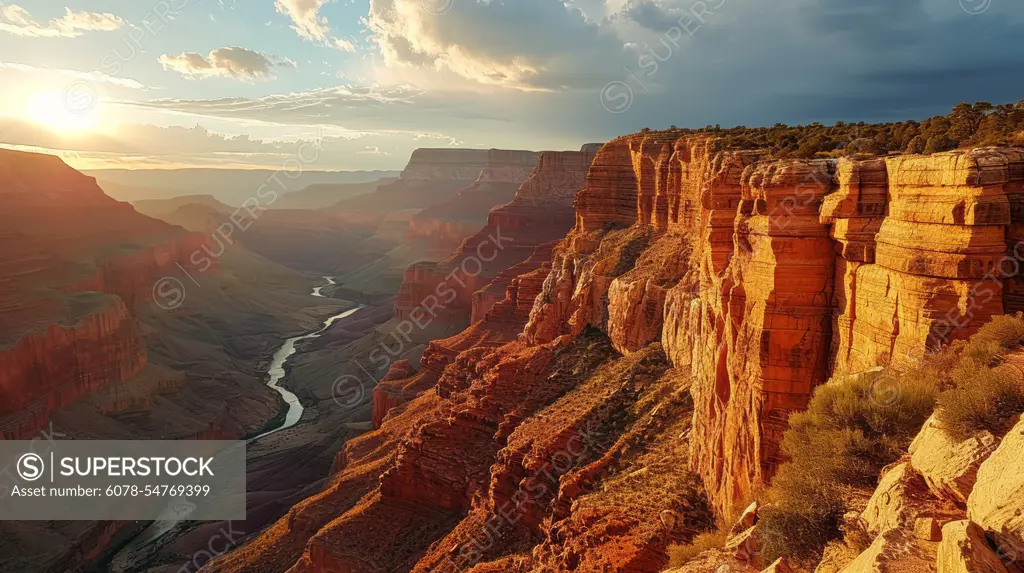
<point>492,278</point>
<point>76,265</point>
<point>441,228</point>
<point>462,287</point>
<point>700,297</point>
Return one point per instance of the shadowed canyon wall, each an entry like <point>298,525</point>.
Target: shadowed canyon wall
<point>75,266</point>
<point>541,212</point>
<point>432,177</point>
<point>441,228</point>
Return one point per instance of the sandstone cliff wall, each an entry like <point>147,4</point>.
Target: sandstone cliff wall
<point>764,277</point>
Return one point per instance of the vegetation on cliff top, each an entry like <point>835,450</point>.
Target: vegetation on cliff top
<point>967,126</point>
<point>855,426</point>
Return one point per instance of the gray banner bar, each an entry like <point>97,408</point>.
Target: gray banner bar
<point>122,480</point>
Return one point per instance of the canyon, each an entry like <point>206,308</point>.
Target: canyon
<point>564,360</point>
<point>633,384</point>
<point>160,362</point>
<point>111,331</point>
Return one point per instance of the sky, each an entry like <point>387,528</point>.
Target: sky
<point>226,83</point>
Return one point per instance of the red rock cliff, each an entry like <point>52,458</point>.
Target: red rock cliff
<point>76,264</point>
<point>760,278</point>
<point>797,269</point>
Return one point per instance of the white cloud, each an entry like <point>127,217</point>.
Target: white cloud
<point>235,62</point>
<point>94,76</point>
<point>309,24</point>
<point>527,44</point>
<point>18,21</point>
<point>343,44</point>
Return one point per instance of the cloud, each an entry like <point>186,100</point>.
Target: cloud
<point>145,145</point>
<point>651,15</point>
<point>92,77</point>
<point>343,44</point>
<point>235,62</point>
<point>530,73</point>
<point>526,44</point>
<point>310,25</point>
<point>18,21</point>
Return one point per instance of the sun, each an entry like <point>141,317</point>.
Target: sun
<point>70,111</point>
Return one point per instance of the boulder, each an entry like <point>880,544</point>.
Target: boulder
<point>744,546</point>
<point>746,520</point>
<point>896,500</point>
<point>894,551</point>
<point>964,550</point>
<point>949,467</point>
<point>997,501</point>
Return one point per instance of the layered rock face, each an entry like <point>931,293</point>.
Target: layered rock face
<point>935,268</point>
<point>761,278</point>
<point>492,278</point>
<point>441,228</point>
<point>43,372</point>
<point>540,213</point>
<point>794,269</point>
<point>75,265</point>
<point>432,177</point>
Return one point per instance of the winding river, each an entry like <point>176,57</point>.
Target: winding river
<point>330,281</point>
<point>277,371</point>
<point>145,543</point>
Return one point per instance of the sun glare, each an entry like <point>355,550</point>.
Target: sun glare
<point>66,112</point>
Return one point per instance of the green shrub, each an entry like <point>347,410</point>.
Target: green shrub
<point>852,428</point>
<point>679,555</point>
<point>1001,333</point>
<point>977,397</point>
<point>987,401</point>
<point>799,528</point>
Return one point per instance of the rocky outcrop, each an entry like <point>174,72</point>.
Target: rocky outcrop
<point>893,551</point>
<point>796,270</point>
<point>952,506</point>
<point>964,549</point>
<point>897,500</point>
